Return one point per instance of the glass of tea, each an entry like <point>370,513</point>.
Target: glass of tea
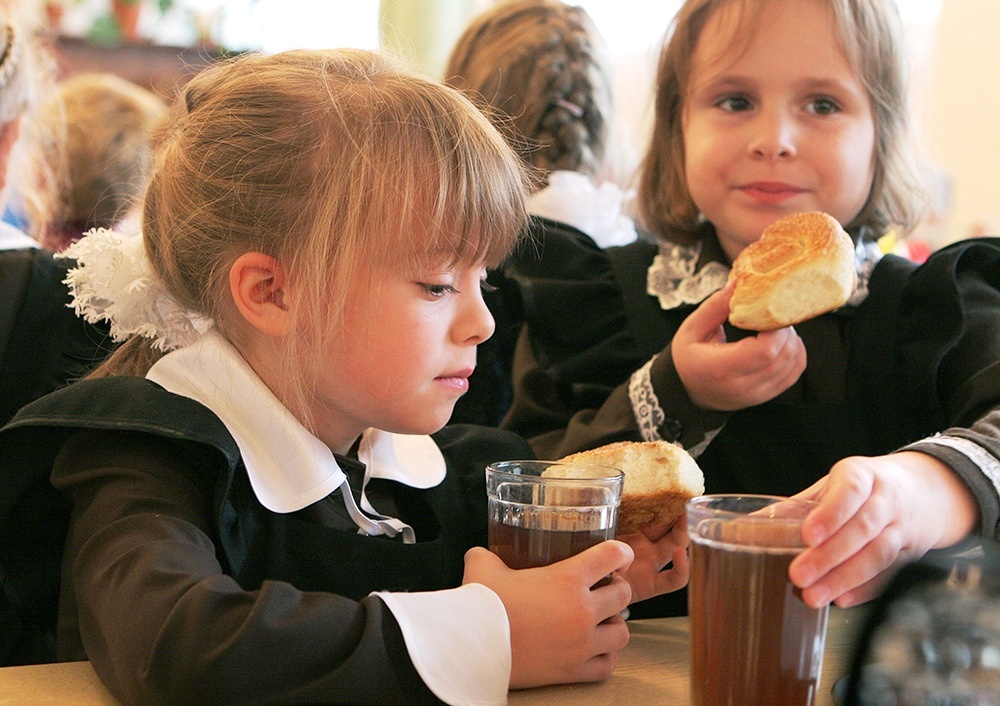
<point>753,639</point>
<point>544,511</point>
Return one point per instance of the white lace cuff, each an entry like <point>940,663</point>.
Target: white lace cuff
<point>645,405</point>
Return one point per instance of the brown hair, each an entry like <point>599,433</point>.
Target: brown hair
<point>871,35</point>
<point>95,132</point>
<point>322,160</point>
<point>540,68</point>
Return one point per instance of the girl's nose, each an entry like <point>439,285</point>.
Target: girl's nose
<point>476,323</point>
<point>773,136</point>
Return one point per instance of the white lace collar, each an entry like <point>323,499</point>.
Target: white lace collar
<point>675,280</point>
<point>673,277</point>
<point>597,210</point>
<point>289,468</point>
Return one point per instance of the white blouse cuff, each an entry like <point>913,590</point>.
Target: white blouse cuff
<point>459,641</point>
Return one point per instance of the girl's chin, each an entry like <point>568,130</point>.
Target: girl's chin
<point>426,424</point>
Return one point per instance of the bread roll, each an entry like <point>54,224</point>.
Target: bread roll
<point>802,266</point>
<point>659,478</point>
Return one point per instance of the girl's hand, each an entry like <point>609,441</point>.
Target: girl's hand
<point>655,548</point>
<point>561,630</point>
<point>875,514</point>
<point>725,376</point>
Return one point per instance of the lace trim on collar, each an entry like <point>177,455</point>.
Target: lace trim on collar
<point>672,277</point>
<point>675,281</point>
<point>866,256</point>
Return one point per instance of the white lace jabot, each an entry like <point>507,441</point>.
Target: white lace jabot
<point>598,211</point>
<point>673,280</point>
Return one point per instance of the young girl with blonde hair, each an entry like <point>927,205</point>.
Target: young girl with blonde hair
<point>259,509</point>
<point>887,409</point>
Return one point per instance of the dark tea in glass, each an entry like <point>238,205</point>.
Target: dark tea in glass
<point>543,511</point>
<point>753,639</point>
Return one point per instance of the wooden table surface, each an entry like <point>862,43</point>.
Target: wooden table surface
<point>652,669</point>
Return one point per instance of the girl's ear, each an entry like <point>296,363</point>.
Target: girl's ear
<point>259,284</point>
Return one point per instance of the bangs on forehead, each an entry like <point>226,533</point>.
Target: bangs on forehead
<point>447,220</point>
<point>739,21</point>
<point>458,192</point>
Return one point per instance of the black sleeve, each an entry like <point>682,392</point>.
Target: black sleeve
<point>577,345</point>
<point>950,352</point>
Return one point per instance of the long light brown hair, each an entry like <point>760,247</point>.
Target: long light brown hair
<point>871,35</point>
<point>95,132</point>
<point>322,160</point>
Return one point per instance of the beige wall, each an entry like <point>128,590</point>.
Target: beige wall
<point>962,112</point>
<point>424,31</point>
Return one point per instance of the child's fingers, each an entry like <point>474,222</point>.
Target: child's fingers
<point>660,542</point>
<point>862,549</point>
<point>601,560</point>
<point>677,576</point>
<point>858,576</point>
<point>597,668</point>
<point>703,323</point>
<point>841,495</point>
<point>865,592</point>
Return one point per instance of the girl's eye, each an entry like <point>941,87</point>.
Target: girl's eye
<point>735,104</point>
<point>823,106</point>
<point>438,290</point>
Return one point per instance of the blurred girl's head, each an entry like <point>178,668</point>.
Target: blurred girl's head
<point>95,131</point>
<point>540,68</point>
<point>26,73</point>
<point>868,39</point>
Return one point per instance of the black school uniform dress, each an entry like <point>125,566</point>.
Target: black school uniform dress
<point>191,576</point>
<point>912,361</point>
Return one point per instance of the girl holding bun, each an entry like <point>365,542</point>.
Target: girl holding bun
<point>254,498</point>
<point>886,409</point>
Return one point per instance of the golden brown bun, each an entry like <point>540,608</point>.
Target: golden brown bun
<point>802,266</point>
<point>659,478</point>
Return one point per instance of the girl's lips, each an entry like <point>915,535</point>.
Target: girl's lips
<point>458,380</point>
<point>770,192</point>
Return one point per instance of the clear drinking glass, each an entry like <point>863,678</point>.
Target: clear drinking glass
<point>753,639</point>
<point>544,511</point>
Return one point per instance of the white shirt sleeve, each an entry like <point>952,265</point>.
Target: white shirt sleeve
<point>459,641</point>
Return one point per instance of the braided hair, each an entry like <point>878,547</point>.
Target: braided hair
<point>542,73</point>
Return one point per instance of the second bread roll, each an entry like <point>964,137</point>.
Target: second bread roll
<point>659,478</point>
<point>802,266</point>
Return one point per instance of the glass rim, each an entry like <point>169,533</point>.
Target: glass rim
<point>701,503</point>
<point>509,468</point>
